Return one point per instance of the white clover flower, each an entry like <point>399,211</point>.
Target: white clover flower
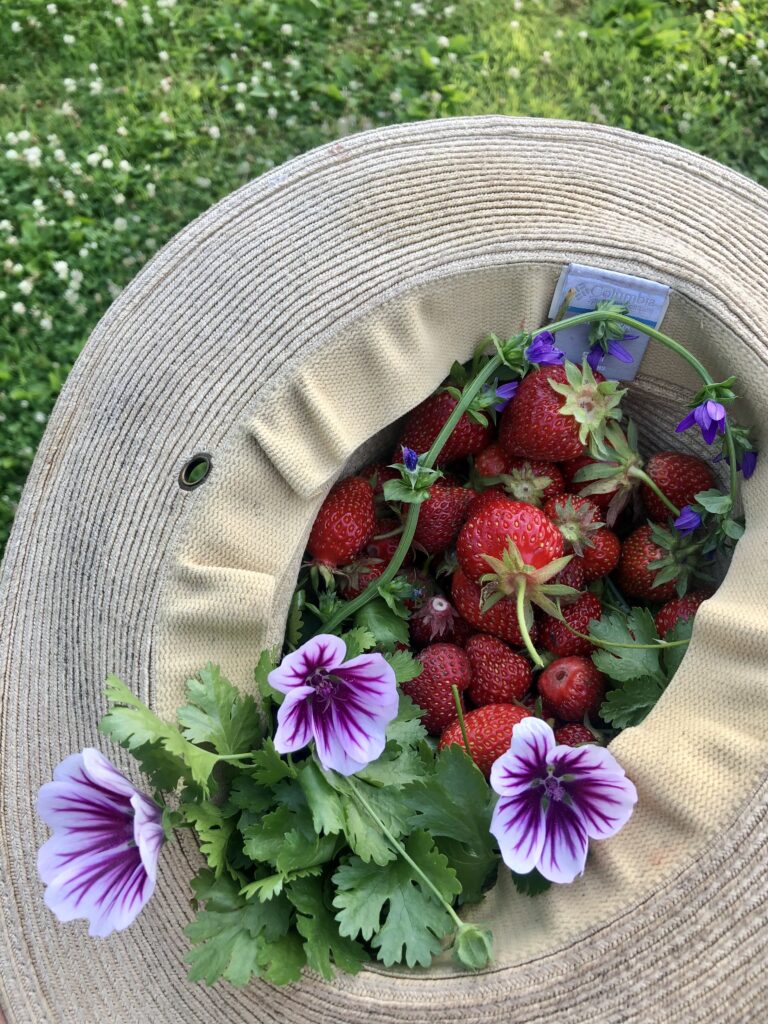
<point>38,204</point>
<point>40,417</point>
<point>11,240</point>
<point>24,135</point>
<point>202,182</point>
<point>286,29</point>
<point>583,34</point>
<point>514,24</point>
<point>240,107</point>
<point>163,55</point>
<point>709,14</point>
<point>443,41</point>
<point>59,156</point>
<point>119,22</point>
<point>11,154</point>
<point>166,84</point>
<point>66,109</point>
<point>250,130</point>
<point>164,117</point>
<point>76,278</point>
<point>32,155</point>
<point>546,57</point>
<point>33,22</point>
<point>418,10</point>
<point>118,199</point>
<point>107,164</point>
<point>11,138</point>
<point>449,10</point>
<point>96,87</point>
<point>372,18</point>
<point>120,224</point>
<point>52,8</point>
<point>241,87</point>
<point>68,39</point>
<point>93,159</point>
<point>46,323</point>
<point>293,62</point>
<point>5,225</point>
<point>68,196</point>
<point>124,165</point>
<point>121,130</point>
<point>146,17</point>
<point>272,113</point>
<point>61,269</point>
<point>15,26</point>
<point>165,5</point>
<point>151,189</point>
<point>84,252</point>
<point>754,60</point>
<point>18,308</point>
<point>266,65</point>
<point>395,97</point>
<point>27,286</point>
<point>214,131</point>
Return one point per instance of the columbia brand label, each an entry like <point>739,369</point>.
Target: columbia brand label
<point>646,301</point>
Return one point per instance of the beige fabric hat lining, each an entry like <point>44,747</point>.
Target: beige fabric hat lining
<point>281,332</point>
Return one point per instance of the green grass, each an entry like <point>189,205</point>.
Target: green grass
<point>127,121</point>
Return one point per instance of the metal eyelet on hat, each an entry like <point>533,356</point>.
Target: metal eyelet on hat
<point>195,471</point>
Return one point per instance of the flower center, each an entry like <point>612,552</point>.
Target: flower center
<point>324,684</point>
<point>553,788</point>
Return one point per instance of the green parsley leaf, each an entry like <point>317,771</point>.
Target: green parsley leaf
<point>323,800</point>
<point>324,943</point>
<point>265,888</point>
<point>387,627</point>
<point>629,703</point>
<point>414,923</point>
<point>403,759</point>
<point>281,960</point>
<point>358,641</point>
<point>163,769</point>
<point>295,624</point>
<point>624,663</point>
<point>228,934</point>
<point>672,656</point>
<point>531,884</point>
<point>267,661</point>
<point>216,713</point>
<point>214,830</point>
<point>268,766</point>
<point>131,724</point>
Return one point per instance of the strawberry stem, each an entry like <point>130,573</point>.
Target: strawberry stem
<point>460,714</point>
<point>535,657</point>
<point>640,474</point>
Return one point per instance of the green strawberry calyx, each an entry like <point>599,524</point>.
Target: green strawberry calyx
<point>590,403</point>
<point>617,469</point>
<point>681,561</point>
<point>511,576</point>
<point>575,524</point>
<point>522,484</point>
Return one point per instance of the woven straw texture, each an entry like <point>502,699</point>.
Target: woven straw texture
<point>283,332</point>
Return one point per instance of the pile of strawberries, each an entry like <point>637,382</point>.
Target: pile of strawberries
<point>505,531</point>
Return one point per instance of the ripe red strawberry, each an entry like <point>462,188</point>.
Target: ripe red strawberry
<point>532,426</point>
<point>492,461</point>
<point>569,470</point>
<point>488,499</point>
<point>679,610</point>
<point>578,519</point>
<point>680,477</point>
<point>556,637</point>
<point>571,576</point>
<point>434,621</point>
<point>358,575</point>
<point>377,475</point>
<point>571,688</point>
<point>385,540</point>
<point>500,620</point>
<point>489,731</point>
<point>490,531</point>
<point>345,523</point>
<point>427,420</point>
<point>462,631</point>
<point>574,735</point>
<point>499,675</point>
<point>440,517</point>
<point>602,557</point>
<point>633,576</point>
<point>445,665</point>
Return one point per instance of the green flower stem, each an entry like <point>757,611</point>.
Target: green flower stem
<point>640,474</point>
<point>409,528</point>
<point>608,644</point>
<point>535,657</point>
<point>460,715</point>
<point>398,847</point>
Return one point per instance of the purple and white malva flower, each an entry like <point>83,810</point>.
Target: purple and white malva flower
<point>553,799</point>
<point>709,416</point>
<point>345,707</point>
<point>101,862</point>
<point>543,351</point>
<point>688,520</point>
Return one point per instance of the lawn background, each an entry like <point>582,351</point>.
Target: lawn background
<point>121,121</point>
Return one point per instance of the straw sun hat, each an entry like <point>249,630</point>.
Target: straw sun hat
<point>281,334</point>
